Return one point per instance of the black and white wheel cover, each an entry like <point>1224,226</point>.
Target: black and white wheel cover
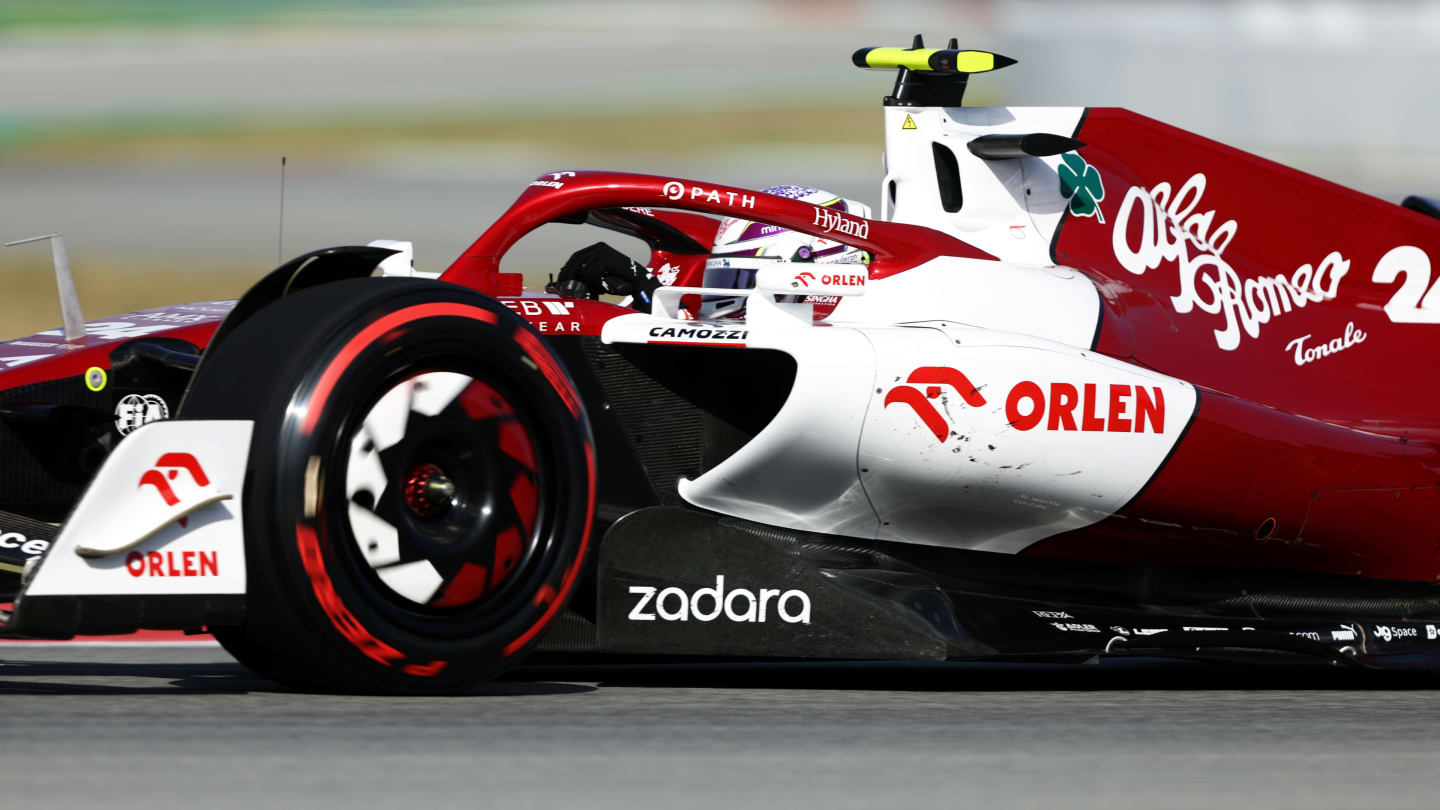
<point>441,489</point>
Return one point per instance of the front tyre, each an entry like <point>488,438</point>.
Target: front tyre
<point>420,490</point>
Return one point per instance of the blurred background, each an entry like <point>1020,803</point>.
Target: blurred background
<point>150,132</point>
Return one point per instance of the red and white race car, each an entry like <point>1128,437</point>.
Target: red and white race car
<point>1089,384</point>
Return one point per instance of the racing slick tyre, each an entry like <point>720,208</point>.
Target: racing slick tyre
<point>420,485</point>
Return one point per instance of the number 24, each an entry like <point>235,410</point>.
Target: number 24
<point>1412,303</point>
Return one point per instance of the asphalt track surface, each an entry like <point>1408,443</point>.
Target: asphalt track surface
<point>187,727</point>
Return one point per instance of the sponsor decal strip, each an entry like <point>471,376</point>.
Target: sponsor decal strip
<point>1061,406</point>
<point>1391,632</point>
<point>698,336</point>
<point>833,221</point>
<point>173,564</point>
<point>693,343</point>
<point>803,279</point>
<point>1172,230</point>
<point>676,191</point>
<point>1309,354</point>
<point>30,547</point>
<point>548,317</point>
<point>555,180</point>
<point>1074,627</point>
<point>708,604</point>
<point>1065,399</point>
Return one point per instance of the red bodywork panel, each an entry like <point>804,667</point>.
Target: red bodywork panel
<point>47,356</point>
<point>1339,500</point>
<point>895,247</point>
<point>1228,270</point>
<point>1242,232</point>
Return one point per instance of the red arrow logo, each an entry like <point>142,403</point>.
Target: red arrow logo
<point>933,377</point>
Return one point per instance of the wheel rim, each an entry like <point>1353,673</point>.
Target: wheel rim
<point>441,491</point>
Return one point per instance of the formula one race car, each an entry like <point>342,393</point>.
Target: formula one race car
<point>1052,403</point>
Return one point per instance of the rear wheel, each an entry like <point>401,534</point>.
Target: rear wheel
<point>420,488</point>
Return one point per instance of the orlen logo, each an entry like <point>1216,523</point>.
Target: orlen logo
<point>556,180</point>
<point>932,377</point>
<point>803,279</point>
<point>1027,406</point>
<point>709,604</point>
<point>1061,406</point>
<point>173,563</point>
<point>169,466</point>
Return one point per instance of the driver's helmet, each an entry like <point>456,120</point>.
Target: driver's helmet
<point>742,247</point>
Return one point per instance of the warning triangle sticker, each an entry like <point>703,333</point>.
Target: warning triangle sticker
<point>909,122</point>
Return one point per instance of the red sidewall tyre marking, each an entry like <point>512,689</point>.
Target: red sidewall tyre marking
<point>571,573</point>
<point>369,335</point>
<point>340,616</point>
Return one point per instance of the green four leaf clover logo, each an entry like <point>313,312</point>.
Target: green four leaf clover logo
<point>1080,183</point>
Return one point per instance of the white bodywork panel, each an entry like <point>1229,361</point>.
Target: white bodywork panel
<point>1010,208</point>
<point>837,459</point>
<point>1090,432</point>
<point>848,455</point>
<point>800,471</point>
<point>956,402</point>
<point>1055,303</point>
<point>402,264</point>
<point>162,516</point>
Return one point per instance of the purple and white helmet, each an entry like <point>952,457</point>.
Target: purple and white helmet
<point>742,247</point>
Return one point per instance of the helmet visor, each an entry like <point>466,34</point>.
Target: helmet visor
<point>729,273</point>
